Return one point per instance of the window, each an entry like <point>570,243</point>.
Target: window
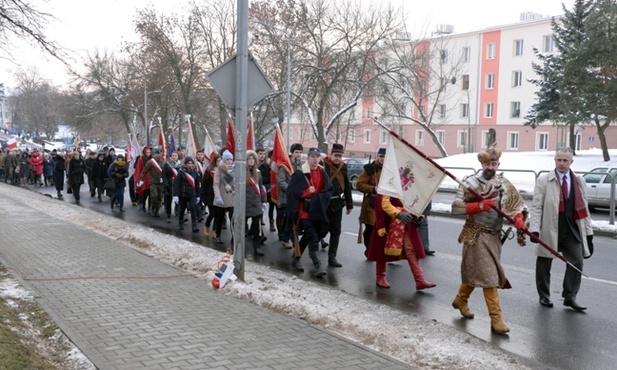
<point>466,54</point>
<point>442,111</point>
<point>490,80</point>
<point>444,56</point>
<point>512,140</point>
<point>465,82</point>
<point>352,136</point>
<point>368,113</point>
<point>383,137</point>
<point>491,50</point>
<point>441,137</point>
<point>515,109</point>
<point>420,138</point>
<point>464,110</point>
<point>488,110</point>
<point>462,139</point>
<point>485,138</point>
<point>518,47</point>
<point>517,79</point>
<point>421,87</point>
<point>548,44</point>
<point>542,140</point>
<point>444,83</point>
<point>421,110</point>
<point>367,136</point>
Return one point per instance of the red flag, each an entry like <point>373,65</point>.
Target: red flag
<point>231,137</point>
<point>280,158</point>
<point>12,143</point>
<point>250,135</point>
<point>161,139</point>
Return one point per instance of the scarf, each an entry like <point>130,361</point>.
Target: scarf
<point>580,211</point>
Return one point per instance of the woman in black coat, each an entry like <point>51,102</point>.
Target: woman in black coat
<point>77,168</point>
<point>58,172</point>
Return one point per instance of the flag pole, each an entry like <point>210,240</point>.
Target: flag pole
<point>476,194</point>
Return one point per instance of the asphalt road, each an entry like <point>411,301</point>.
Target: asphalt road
<point>556,337</point>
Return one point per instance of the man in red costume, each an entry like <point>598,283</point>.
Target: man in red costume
<point>143,189</point>
<point>308,197</point>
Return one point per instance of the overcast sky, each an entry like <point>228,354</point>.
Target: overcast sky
<point>87,25</point>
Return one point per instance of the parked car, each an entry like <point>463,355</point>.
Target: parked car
<point>354,169</point>
<point>599,186</point>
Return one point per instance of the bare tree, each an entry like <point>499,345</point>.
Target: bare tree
<point>413,83</point>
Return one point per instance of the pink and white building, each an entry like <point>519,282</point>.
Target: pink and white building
<point>491,92</point>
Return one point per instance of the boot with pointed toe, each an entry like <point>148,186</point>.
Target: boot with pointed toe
<point>380,275</point>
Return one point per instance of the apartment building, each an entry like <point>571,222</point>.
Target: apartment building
<point>489,96</point>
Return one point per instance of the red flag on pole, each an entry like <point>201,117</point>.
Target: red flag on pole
<point>280,158</point>
<point>250,135</point>
<point>231,137</point>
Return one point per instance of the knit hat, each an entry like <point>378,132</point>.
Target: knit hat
<point>337,149</point>
<point>227,155</point>
<point>188,159</point>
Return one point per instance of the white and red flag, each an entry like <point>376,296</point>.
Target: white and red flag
<point>408,176</point>
<point>209,149</point>
<point>12,143</point>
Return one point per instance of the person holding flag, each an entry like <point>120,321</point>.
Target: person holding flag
<point>186,192</point>
<point>170,173</point>
<point>142,187</point>
<point>482,234</point>
<point>154,168</point>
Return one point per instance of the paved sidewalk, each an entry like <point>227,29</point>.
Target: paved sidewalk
<point>126,310</point>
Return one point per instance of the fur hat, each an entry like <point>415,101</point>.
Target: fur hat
<point>337,149</point>
<point>227,155</point>
<point>489,155</point>
<point>252,153</point>
<point>296,146</point>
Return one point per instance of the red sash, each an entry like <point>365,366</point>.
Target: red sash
<point>255,187</point>
<point>190,179</point>
<point>156,166</point>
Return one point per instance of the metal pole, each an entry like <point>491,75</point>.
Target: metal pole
<point>241,111</point>
<point>288,91</point>
<point>146,115</point>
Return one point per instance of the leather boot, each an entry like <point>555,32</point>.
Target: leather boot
<point>491,296</point>
<point>418,274</point>
<point>296,265</point>
<point>256,249</point>
<point>319,272</point>
<point>272,228</point>
<point>207,230</point>
<point>460,301</point>
<point>380,275</point>
<point>219,240</point>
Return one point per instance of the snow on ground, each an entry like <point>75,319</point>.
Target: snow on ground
<point>420,343</point>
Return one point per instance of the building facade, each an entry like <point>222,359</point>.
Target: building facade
<point>487,99</point>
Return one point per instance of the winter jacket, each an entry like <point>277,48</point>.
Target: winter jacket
<point>48,167</point>
<point>77,168</point>
<point>36,161</point>
<point>185,188</point>
<point>99,172</point>
<point>254,194</point>
<point>207,187</point>
<point>341,195</point>
<point>170,172</point>
<point>282,181</point>
<point>367,183</point>
<point>119,171</point>
<point>224,176</point>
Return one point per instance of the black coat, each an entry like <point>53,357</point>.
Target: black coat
<point>119,171</point>
<point>182,186</point>
<point>318,203</point>
<point>59,172</point>
<point>99,172</point>
<point>207,188</point>
<point>77,168</point>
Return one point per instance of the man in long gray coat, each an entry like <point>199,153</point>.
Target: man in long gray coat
<point>560,217</point>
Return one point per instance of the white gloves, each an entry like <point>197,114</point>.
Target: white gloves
<point>139,184</point>
<point>176,199</point>
<point>264,208</point>
<point>219,200</point>
<point>197,200</point>
<point>228,187</point>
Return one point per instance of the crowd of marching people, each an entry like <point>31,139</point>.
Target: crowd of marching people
<point>304,201</point>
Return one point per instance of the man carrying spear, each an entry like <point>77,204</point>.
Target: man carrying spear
<point>482,235</point>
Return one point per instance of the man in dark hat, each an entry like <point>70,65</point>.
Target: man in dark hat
<point>367,184</point>
<point>283,177</point>
<point>341,198</point>
<point>308,197</point>
<point>181,152</point>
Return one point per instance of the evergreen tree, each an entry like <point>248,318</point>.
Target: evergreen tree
<point>590,72</point>
<point>568,31</point>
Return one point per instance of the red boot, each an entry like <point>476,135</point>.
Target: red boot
<point>380,275</point>
<point>418,274</point>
